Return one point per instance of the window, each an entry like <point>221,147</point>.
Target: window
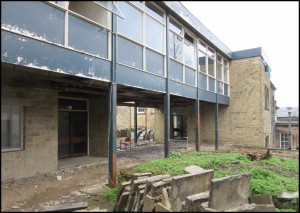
<point>90,10</point>
<point>140,110</point>
<point>284,140</point>
<point>11,128</point>
<point>266,98</point>
<point>182,50</point>
<point>143,29</point>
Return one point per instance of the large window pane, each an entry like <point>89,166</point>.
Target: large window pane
<point>135,58</point>
<point>175,27</point>
<point>226,89</point>
<point>212,85</point>
<point>211,52</point>
<point>190,76</point>
<point>154,62</point>
<point>202,61</point>
<point>189,54</point>
<point>211,67</point>
<point>35,19</point>
<point>202,81</point>
<point>202,46</point>
<point>220,73</point>
<point>154,34</point>
<point>225,74</point>
<point>131,26</point>
<point>87,37</point>
<point>175,46</point>
<point>150,9</point>
<point>11,128</point>
<point>220,87</point>
<point>176,71</point>
<point>90,10</point>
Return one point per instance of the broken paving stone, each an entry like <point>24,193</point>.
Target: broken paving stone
<point>193,169</point>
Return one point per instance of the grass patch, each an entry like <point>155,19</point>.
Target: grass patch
<point>112,194</point>
<point>271,176</point>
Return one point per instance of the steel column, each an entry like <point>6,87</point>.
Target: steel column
<point>135,124</point>
<point>216,110</point>
<point>197,106</point>
<point>112,157</point>
<point>167,96</point>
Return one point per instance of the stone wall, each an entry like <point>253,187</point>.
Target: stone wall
<point>245,121</point>
<point>98,127</point>
<point>40,133</point>
<point>125,118</point>
<point>158,125</point>
<point>191,119</point>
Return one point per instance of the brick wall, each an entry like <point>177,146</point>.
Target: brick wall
<point>40,133</point>
<point>124,118</point>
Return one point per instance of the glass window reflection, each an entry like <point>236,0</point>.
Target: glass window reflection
<point>175,46</point>
<point>154,34</point>
<point>131,26</point>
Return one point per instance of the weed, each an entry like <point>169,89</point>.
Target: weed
<point>112,194</point>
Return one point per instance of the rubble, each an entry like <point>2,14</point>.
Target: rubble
<point>193,192</point>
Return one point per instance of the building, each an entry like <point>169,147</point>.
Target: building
<point>282,131</point>
<point>66,66</point>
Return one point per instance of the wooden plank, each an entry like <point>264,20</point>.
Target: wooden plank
<point>69,207</point>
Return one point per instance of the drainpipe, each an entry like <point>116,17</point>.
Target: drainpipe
<point>197,107</point>
<point>167,96</point>
<point>216,110</point>
<point>112,157</point>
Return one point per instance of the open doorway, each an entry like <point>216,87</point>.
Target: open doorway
<point>72,128</point>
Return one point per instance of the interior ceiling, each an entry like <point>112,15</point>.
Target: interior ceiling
<point>68,85</point>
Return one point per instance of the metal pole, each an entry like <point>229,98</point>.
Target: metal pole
<point>135,124</point>
<point>217,110</point>
<point>197,106</point>
<point>290,132</point>
<point>167,96</point>
<point>112,157</point>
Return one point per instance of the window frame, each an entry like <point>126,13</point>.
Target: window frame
<point>184,41</point>
<point>142,8</point>
<point>67,11</point>
<point>140,110</point>
<point>21,122</point>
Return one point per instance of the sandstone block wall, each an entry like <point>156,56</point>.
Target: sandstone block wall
<point>98,127</point>
<point>40,125</point>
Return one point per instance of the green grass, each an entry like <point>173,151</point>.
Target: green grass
<point>112,194</point>
<point>271,176</point>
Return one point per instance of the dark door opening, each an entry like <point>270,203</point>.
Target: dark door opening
<point>72,130</point>
<point>179,126</point>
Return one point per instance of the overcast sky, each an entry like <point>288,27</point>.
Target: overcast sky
<point>274,26</point>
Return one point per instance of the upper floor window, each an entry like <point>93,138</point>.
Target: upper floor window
<point>267,98</point>
<point>182,53</point>
<point>144,30</point>
<point>11,128</point>
<point>140,110</point>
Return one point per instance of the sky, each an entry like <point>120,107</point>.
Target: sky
<point>274,26</point>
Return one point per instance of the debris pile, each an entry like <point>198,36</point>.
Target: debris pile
<point>192,192</point>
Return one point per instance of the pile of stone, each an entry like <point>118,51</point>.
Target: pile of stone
<point>192,192</point>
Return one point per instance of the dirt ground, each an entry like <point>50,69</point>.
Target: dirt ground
<point>80,184</point>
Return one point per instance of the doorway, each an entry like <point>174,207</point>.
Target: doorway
<point>72,128</point>
<point>179,126</point>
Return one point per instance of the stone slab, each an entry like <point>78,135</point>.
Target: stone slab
<point>165,199</point>
<point>148,204</point>
<point>193,202</point>
<point>161,208</point>
<point>261,199</point>
<point>193,169</point>
<point>189,184</point>
<point>120,207</point>
<point>229,192</point>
